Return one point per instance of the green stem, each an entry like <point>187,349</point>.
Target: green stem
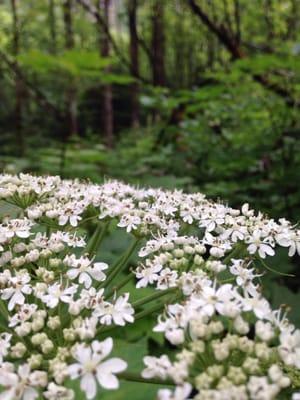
<point>149,311</point>
<point>3,310</point>
<point>96,239</point>
<point>153,296</point>
<point>120,285</point>
<point>233,253</point>
<point>133,377</point>
<point>274,270</point>
<point>121,263</point>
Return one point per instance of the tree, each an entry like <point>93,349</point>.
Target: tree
<point>107,95</point>
<point>19,89</point>
<point>134,57</point>
<point>52,26</point>
<point>231,41</point>
<point>68,21</point>
<point>71,94</point>
<point>158,44</point>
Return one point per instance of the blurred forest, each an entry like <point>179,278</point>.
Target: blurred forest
<point>193,94</point>
<point>199,95</point>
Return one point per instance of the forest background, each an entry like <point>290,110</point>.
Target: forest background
<point>198,95</point>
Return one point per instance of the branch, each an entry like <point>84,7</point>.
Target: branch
<point>221,32</point>
<point>144,46</point>
<point>101,21</point>
<point>226,38</point>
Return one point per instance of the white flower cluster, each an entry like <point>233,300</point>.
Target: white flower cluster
<point>59,304</point>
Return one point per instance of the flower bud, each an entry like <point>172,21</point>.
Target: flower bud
<point>35,360</point>
<point>24,329</point>
<point>37,324</point>
<point>69,334</point>
<point>47,346</point>
<point>18,350</point>
<point>53,322</point>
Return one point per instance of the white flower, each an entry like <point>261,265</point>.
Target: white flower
<point>245,276</point>
<point>290,239</point>
<point>167,279</point>
<point>259,244</point>
<point>130,222</point>
<point>258,305</point>
<point>180,393</point>
<point>24,313</point>
<point>119,313</point>
<point>55,392</point>
<point>147,274</point>
<point>84,270</point>
<point>21,385</point>
<point>264,330</point>
<point>156,367</point>
<point>91,367</point>
<point>56,293</point>
<point>15,292</point>
<point>212,299</point>
<point>70,214</point>
<point>18,227</point>
<point>5,339</point>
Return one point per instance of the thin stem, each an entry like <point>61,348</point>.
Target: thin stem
<point>149,311</point>
<point>274,270</point>
<point>120,285</point>
<point>3,310</point>
<point>133,377</point>
<point>233,253</point>
<point>96,239</point>
<point>153,296</point>
<point>121,263</point>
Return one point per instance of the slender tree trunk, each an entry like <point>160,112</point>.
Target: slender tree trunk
<point>52,26</point>
<point>71,95</point>
<point>68,21</point>
<point>237,19</point>
<point>293,20</point>
<point>19,89</point>
<point>107,96</point>
<point>268,8</point>
<point>158,44</point>
<point>134,57</point>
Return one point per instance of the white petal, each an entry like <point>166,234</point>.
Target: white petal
<point>89,386</point>
<point>73,273</point>
<point>108,381</point>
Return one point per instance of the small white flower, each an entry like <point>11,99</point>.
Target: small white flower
<point>56,293</point>
<point>83,269</point>
<point>259,244</point>
<point>118,313</point>
<point>18,287</point>
<point>156,367</point>
<point>22,385</point>
<point>55,392</point>
<point>91,368</point>
<point>181,392</point>
<point>147,274</point>
<point>5,339</point>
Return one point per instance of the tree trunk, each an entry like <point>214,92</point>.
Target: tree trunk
<point>71,94</point>
<point>158,44</point>
<point>52,26</point>
<point>268,9</point>
<point>19,89</point>
<point>68,21</point>
<point>134,57</point>
<point>107,96</point>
